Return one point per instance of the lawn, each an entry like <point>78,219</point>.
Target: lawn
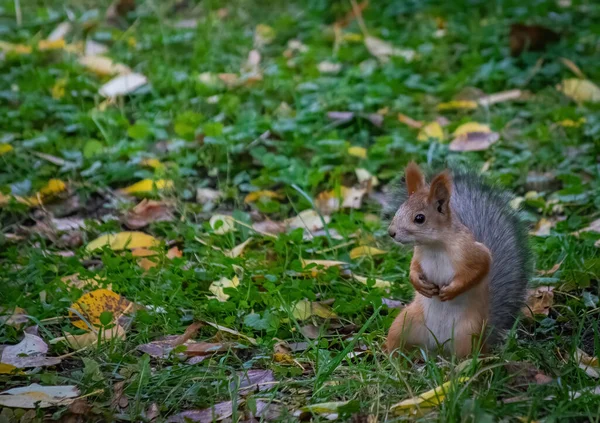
<point>195,195</point>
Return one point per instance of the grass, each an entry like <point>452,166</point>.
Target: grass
<point>275,134</point>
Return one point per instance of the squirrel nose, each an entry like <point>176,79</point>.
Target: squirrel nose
<point>392,232</point>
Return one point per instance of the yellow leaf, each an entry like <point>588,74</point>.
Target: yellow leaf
<point>9,369</point>
<point>153,163</point>
<point>103,66</point>
<point>379,283</point>
<point>227,225</point>
<point>431,130</point>
<point>54,186</point>
<point>79,282</point>
<point>238,250</point>
<point>44,45</point>
<point>352,37</point>
<point>217,287</point>
<point>365,251</point>
<point>580,90</point>
<point>430,398</point>
<point>457,105</point>
<point>357,151</point>
<point>58,89</point>
<point>89,339</point>
<point>94,303</point>
<point>122,240</point>
<point>324,263</point>
<point>4,199</point>
<point>14,48</point>
<point>566,123</point>
<point>465,128</point>
<point>148,185</point>
<point>257,195</point>
<point>304,309</point>
<point>264,35</point>
<point>5,148</point>
<point>363,175</point>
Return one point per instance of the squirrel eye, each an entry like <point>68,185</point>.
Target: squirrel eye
<point>420,219</point>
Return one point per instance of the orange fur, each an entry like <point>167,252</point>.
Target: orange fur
<point>415,179</point>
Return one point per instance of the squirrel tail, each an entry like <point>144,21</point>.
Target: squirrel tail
<point>485,209</point>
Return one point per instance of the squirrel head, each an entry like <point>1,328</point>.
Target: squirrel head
<point>424,218</point>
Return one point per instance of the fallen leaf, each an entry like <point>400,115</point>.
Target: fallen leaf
<point>457,105</point>
<point>174,252</point>
<point>469,127</point>
<point>379,283</point>
<point>323,263</point>
<point>550,271</point>
<point>365,251</point>
<point>500,97</point>
<point>123,240</point>
<point>45,45</point>
<point>268,226</point>
<point>570,123</point>
<point>53,187</point>
<point>309,220</point>
<point>543,227</point>
<point>92,304</point>
<point>530,37</point>
<point>383,50</point>
<point>15,48</point>
<point>146,212</point>
<point>258,195</point>
<point>329,67</point>
<point>573,67</point>
<point>38,396</point>
<point>208,196</point>
<point>580,90</point>
<point>30,352</point>
<point>431,130</point>
<point>123,84</point>
<point>222,224</point>
<point>366,179</point>
<point>539,301</point>
<point>119,8</point>
<point>329,202</point>
<point>328,410</point>
<point>80,282</point>
<point>304,310</point>
<point>89,339</point>
<point>474,141</point>
<point>102,65</point>
<point>238,250</point>
<point>524,373</point>
<point>357,151</point>
<point>5,148</point>
<point>231,80</point>
<point>162,348</point>
<point>15,317</point>
<point>410,121</point>
<point>263,35</point>
<point>93,48</point>
<point>9,369</point>
<point>254,380</point>
<point>148,186</point>
<point>217,287</point>
<point>215,413</point>
<point>430,398</point>
<point>588,364</point>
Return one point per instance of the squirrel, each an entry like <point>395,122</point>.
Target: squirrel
<point>470,267</point>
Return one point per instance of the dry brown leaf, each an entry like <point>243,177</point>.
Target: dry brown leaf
<point>89,339</point>
<point>309,220</point>
<point>119,8</point>
<point>15,317</point>
<point>573,67</point>
<point>258,195</point>
<point>122,85</point>
<point>539,301</point>
<point>383,50</point>
<point>410,121</point>
<point>268,226</point>
<point>83,283</point>
<point>304,310</point>
<point>254,380</point>
<point>329,202</point>
<point>524,373</point>
<point>500,97</point>
<point>530,37</point>
<point>550,271</point>
<point>208,195</point>
<point>543,227</point>
<point>103,66</point>
<point>216,413</point>
<point>217,287</point>
<point>162,348</point>
<point>238,250</point>
<point>146,212</point>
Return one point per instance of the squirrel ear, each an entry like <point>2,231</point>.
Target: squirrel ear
<point>414,178</point>
<point>439,192</point>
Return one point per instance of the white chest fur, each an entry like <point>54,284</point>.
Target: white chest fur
<point>441,318</point>
<point>437,266</point>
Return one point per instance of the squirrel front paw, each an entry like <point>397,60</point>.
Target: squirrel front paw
<point>423,286</point>
<point>450,291</point>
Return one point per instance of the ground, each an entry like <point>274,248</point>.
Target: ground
<point>233,125</point>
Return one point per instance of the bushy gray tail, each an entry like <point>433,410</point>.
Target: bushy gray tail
<point>486,211</point>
